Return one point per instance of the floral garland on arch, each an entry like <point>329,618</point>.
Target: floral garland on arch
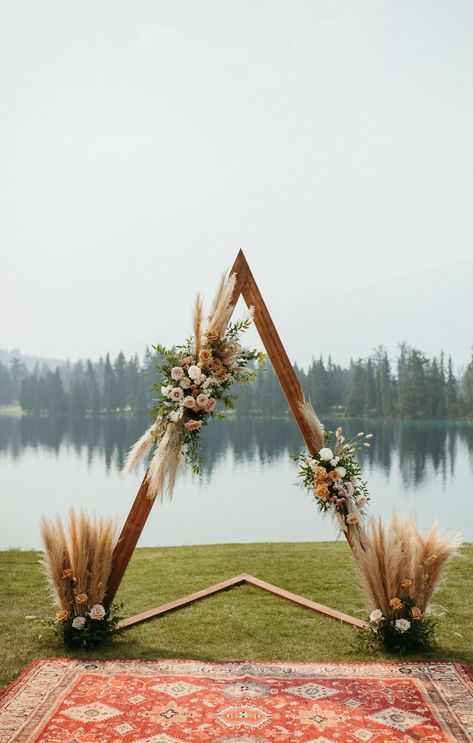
<point>195,377</point>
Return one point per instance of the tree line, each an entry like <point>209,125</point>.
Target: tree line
<point>412,386</point>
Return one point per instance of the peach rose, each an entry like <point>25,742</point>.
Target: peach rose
<point>189,402</point>
<point>67,574</point>
<point>202,400</point>
<point>320,473</point>
<point>322,492</point>
<point>396,604</point>
<point>205,355</point>
<point>334,475</point>
<point>217,364</point>
<point>416,613</point>
<point>62,615</point>
<point>193,425</point>
<point>211,335</point>
<point>176,394</point>
<point>221,374</point>
<point>81,598</point>
<point>406,583</point>
<point>210,405</point>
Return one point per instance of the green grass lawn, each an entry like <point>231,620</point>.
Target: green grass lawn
<point>243,622</point>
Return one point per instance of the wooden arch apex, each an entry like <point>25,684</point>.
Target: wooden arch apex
<point>246,287</point>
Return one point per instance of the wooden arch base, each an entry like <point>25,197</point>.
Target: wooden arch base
<point>247,288</point>
<point>239,580</point>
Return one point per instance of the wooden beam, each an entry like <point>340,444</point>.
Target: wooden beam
<point>239,580</point>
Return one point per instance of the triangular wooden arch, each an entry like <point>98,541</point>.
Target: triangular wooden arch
<point>247,288</point>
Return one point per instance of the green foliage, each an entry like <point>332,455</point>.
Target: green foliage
<point>95,632</point>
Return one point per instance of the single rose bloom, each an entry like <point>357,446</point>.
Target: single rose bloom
<point>176,394</point>
<point>189,402</point>
<point>68,573</point>
<point>376,615</point>
<point>193,425</point>
<point>79,622</point>
<point>81,598</point>
<point>205,355</point>
<point>211,335</point>
<point>185,383</point>
<point>351,519</point>
<point>416,613</point>
<point>342,471</point>
<point>62,615</point>
<point>210,405</point>
<point>322,492</point>
<point>217,363</point>
<point>406,583</point>
<point>202,400</point>
<point>221,374</point>
<point>326,454</point>
<point>187,360</point>
<point>194,371</point>
<point>97,612</point>
<point>402,625</point>
<point>334,475</point>
<point>396,604</point>
<point>320,473</point>
<point>177,372</point>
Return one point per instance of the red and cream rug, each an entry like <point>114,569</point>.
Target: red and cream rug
<point>82,701</point>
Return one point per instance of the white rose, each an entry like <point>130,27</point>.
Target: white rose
<point>376,615</point>
<point>176,394</point>
<point>342,471</point>
<point>334,461</point>
<point>97,612</point>
<point>402,625</point>
<point>165,390</point>
<point>177,373</point>
<point>185,383</point>
<point>194,371</point>
<point>326,454</point>
<point>78,622</point>
<point>313,464</point>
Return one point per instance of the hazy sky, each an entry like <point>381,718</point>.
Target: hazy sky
<point>142,143</point>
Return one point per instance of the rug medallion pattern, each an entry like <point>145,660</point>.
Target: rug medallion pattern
<point>81,701</point>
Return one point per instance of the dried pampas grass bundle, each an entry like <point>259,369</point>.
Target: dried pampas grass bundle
<point>139,450</point>
<point>397,562</point>
<point>77,559</point>
<point>222,307</point>
<point>316,427</point>
<point>164,466</point>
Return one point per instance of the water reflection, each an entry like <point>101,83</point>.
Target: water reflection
<point>419,449</point>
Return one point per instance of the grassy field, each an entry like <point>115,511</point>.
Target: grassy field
<point>243,622</point>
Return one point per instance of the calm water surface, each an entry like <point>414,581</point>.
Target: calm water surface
<point>247,491</point>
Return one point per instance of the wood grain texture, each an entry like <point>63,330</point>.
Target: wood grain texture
<point>239,580</point>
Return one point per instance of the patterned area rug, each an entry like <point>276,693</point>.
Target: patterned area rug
<point>83,701</point>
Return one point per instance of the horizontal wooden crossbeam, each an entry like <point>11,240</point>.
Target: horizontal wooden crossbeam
<point>239,580</point>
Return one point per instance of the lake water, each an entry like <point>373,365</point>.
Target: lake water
<point>247,490</point>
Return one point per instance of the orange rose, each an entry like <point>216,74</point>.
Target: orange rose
<point>67,574</point>
<point>396,604</point>
<point>217,364</point>
<point>320,474</point>
<point>221,374</point>
<point>334,475</point>
<point>81,598</point>
<point>406,583</point>
<point>62,615</point>
<point>322,492</point>
<point>416,613</point>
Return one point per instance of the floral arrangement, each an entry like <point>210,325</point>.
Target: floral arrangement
<point>333,475</point>
<point>77,562</point>
<point>195,377</point>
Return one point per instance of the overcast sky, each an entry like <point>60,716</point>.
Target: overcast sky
<point>142,143</point>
